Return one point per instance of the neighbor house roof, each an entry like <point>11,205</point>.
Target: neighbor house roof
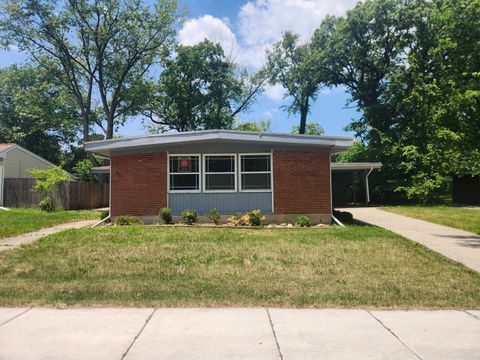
<point>351,166</point>
<point>146,143</point>
<point>5,148</point>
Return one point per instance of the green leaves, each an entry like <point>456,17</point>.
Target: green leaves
<point>49,180</point>
<point>296,67</point>
<point>411,67</point>
<point>200,88</point>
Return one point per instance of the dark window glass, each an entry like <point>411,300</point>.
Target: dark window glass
<point>184,164</point>
<point>184,181</point>
<point>256,181</point>
<point>220,181</point>
<point>219,164</point>
<point>252,163</point>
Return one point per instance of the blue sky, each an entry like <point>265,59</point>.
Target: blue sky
<point>245,29</point>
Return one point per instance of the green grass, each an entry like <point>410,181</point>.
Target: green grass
<point>176,266</point>
<point>20,221</point>
<point>460,218</point>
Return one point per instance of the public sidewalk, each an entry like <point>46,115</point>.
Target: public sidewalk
<point>458,245</point>
<point>16,241</point>
<point>258,333</point>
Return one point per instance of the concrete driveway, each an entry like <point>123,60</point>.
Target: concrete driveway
<point>42,333</point>
<point>458,245</point>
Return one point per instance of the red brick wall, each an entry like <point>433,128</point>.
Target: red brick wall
<point>301,182</point>
<point>139,184</point>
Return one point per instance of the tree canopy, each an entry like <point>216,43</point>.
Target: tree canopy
<point>410,69</point>
<point>200,88</point>
<point>36,111</point>
<point>102,50</point>
<point>296,68</point>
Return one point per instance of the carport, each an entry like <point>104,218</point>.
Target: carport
<point>343,180</point>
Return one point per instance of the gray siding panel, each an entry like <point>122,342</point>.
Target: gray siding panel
<point>226,203</point>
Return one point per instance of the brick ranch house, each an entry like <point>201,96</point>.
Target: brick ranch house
<point>283,175</point>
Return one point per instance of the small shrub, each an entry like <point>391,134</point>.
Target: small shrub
<point>166,215</point>
<point>238,219</point>
<point>127,220</point>
<point>47,204</point>
<point>83,169</point>
<point>214,216</point>
<point>343,216</point>
<point>189,216</point>
<point>255,218</point>
<point>302,221</point>
<point>251,218</point>
<point>104,214</point>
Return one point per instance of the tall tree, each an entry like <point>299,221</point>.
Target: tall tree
<point>201,89</point>
<point>36,111</point>
<point>103,49</point>
<point>295,67</point>
<point>410,68</point>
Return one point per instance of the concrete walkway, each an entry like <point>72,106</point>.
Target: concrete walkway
<point>258,333</point>
<point>15,241</point>
<point>458,245</point>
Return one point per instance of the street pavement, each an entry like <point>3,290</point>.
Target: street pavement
<point>229,333</point>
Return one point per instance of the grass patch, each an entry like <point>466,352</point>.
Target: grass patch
<point>19,221</point>
<point>163,266</point>
<point>460,218</point>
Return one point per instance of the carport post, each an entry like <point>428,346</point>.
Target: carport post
<point>367,190</point>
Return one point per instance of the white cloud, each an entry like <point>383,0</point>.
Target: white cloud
<point>275,92</point>
<point>264,21</point>
<point>260,24</point>
<point>211,28</point>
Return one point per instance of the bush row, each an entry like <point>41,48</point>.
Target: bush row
<point>189,217</point>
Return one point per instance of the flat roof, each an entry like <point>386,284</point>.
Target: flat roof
<point>352,166</point>
<point>150,142</point>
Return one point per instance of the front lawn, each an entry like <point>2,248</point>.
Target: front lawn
<point>460,218</point>
<point>20,221</point>
<point>175,266</point>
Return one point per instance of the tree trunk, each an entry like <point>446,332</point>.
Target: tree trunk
<point>303,120</point>
<point>86,127</point>
<point>303,116</point>
<point>109,134</point>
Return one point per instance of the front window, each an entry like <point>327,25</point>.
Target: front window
<point>255,172</point>
<point>184,173</point>
<point>220,173</point>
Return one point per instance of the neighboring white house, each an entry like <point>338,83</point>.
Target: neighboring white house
<point>15,162</point>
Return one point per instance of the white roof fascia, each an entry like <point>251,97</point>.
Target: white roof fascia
<point>341,142</point>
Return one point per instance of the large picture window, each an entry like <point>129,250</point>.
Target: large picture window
<point>255,172</point>
<point>219,173</point>
<point>184,173</point>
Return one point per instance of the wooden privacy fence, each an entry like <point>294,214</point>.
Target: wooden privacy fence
<point>73,195</point>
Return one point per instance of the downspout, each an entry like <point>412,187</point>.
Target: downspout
<point>100,222</point>
<point>109,198</point>
<point>367,189</point>
<point>334,219</point>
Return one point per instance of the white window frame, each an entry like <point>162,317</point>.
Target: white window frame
<point>205,173</point>
<point>199,173</point>
<point>240,172</point>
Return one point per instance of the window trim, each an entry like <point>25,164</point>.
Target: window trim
<point>240,172</point>
<point>205,173</point>
<point>199,190</point>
